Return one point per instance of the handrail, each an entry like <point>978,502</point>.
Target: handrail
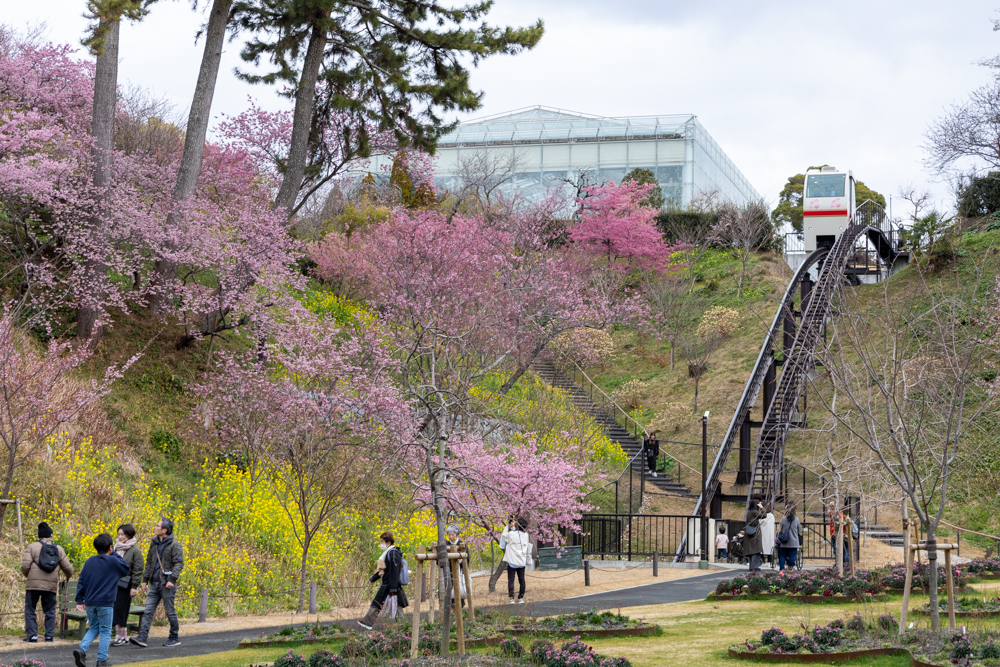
<point>627,416</point>
<point>628,467</point>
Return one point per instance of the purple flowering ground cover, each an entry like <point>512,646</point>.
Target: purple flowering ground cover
<point>971,649</point>
<point>827,583</point>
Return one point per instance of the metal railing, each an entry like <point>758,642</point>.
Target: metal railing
<point>630,535</point>
<point>590,387</point>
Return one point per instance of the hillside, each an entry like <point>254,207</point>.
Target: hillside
<point>974,488</point>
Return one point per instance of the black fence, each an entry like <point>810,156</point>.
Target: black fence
<point>631,536</point>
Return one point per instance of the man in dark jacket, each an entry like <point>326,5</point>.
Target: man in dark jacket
<point>164,563</point>
<point>42,584</point>
<point>95,594</point>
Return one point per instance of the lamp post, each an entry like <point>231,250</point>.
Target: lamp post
<point>703,563</point>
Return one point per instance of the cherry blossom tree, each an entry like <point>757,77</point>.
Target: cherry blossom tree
<point>316,409</point>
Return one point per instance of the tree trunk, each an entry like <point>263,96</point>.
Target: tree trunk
<point>696,380</point>
<point>671,355</point>
<point>305,101</point>
<point>8,482</point>
<point>194,139</point>
<point>302,574</point>
<point>932,577</point>
<point>102,128</point>
<point>444,572</point>
<point>512,380</point>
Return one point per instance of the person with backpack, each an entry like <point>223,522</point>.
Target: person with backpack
<point>516,554</point>
<point>164,563</point>
<point>40,564</point>
<point>753,544</point>
<point>788,538</point>
<point>129,584</point>
<point>95,594</point>
<point>390,593</point>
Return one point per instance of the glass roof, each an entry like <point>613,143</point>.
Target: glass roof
<point>542,124</point>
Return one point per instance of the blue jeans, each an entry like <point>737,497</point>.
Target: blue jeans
<point>786,554</point>
<point>100,624</point>
<point>721,556</point>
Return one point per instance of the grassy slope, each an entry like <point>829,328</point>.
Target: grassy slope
<point>730,369</point>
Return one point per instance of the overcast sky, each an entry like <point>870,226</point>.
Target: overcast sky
<point>780,85</point>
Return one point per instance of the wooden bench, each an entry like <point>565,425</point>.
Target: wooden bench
<point>68,612</point>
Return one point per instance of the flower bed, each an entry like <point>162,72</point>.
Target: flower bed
<point>984,568</point>
<point>966,607</point>
<point>585,624</point>
<point>508,653</point>
<point>857,637</point>
<point>825,583</point>
<point>302,635</point>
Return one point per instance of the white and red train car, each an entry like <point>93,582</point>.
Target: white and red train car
<point>827,206</point>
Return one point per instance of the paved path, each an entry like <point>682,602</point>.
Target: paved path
<point>677,590</point>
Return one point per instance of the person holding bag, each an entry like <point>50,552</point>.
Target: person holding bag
<point>788,538</point>
<point>753,544</point>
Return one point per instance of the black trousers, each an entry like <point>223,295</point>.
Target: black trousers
<point>31,599</point>
<point>519,571</point>
<point>651,462</point>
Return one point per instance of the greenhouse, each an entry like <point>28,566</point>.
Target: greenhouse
<point>554,148</point>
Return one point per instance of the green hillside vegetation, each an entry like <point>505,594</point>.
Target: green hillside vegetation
<point>666,400</point>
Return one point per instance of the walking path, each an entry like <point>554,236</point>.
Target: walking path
<point>679,590</point>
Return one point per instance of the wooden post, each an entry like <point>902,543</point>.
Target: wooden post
<point>415,626</point>
<point>457,597</point>
<point>468,589</point>
<point>586,573</point>
<point>951,586</point>
<point>656,564</point>
<point>908,561</point>
<point>203,606</point>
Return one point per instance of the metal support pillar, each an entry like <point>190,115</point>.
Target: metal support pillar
<point>769,385</point>
<point>745,473</point>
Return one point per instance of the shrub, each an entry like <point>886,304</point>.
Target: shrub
<point>826,636</point>
<point>767,637</point>
<point>166,442</point>
<point>615,662</point>
<point>630,394</point>
<point>990,649</point>
<point>808,643</point>
<point>961,647</point>
<point>857,623</point>
<point>510,648</point>
<point>575,646</point>
<point>326,658</point>
<point>24,662</point>
<point>837,624</point>
<point>539,648</point>
<point>370,645</point>
<point>888,623</point>
<point>290,659</point>
<point>783,642</point>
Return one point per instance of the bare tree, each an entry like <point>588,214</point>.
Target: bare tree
<point>969,133</point>
<point>716,326</point>
<point>692,227</point>
<point>480,178</point>
<point>907,368</point>
<point>744,229</point>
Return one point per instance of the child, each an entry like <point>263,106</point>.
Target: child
<point>721,544</point>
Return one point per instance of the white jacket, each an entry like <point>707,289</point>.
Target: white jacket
<point>767,534</point>
<point>518,547</point>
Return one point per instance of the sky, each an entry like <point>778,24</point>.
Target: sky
<point>780,85</point>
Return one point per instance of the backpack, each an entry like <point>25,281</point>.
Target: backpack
<point>404,571</point>
<point>48,557</point>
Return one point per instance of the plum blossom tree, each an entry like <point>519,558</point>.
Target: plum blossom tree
<point>37,396</point>
<point>316,409</point>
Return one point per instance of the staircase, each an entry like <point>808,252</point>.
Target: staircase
<point>884,534</point>
<point>550,374</point>
<point>798,362</point>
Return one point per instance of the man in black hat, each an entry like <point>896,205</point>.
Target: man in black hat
<point>41,563</point>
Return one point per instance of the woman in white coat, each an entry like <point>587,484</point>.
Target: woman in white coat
<point>516,553</point>
<point>767,535</point>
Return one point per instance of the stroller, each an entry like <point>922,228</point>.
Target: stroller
<point>735,554</point>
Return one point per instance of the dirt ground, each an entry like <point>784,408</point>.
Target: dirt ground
<point>539,586</point>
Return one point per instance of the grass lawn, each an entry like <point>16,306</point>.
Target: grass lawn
<point>694,633</point>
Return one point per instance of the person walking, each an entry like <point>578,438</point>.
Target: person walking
<point>164,564</point>
<point>95,594</point>
<point>517,553</point>
<point>128,585</point>
<point>788,538</point>
<point>40,564</point>
<point>753,542</point>
<point>390,565</point>
<point>652,447</point>
<point>767,535</point>
<point>721,545</point>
